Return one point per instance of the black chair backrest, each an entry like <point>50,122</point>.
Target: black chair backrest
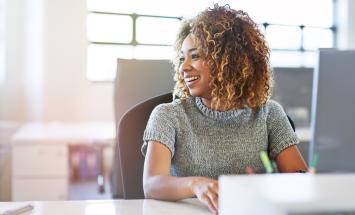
<point>291,123</point>
<point>130,133</point>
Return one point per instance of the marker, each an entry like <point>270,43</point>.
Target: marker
<point>18,210</point>
<point>266,161</point>
<point>314,163</point>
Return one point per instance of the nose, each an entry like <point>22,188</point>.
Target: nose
<point>186,65</point>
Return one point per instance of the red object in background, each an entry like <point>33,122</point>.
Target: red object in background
<point>84,162</point>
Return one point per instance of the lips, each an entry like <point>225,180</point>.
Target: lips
<point>191,80</point>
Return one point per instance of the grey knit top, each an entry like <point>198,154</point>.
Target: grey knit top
<point>204,142</point>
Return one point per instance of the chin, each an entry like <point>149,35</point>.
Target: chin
<point>194,93</point>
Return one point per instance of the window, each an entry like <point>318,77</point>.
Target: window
<point>147,29</point>
<point>156,30</point>
<point>2,40</point>
<point>109,28</point>
<point>283,37</point>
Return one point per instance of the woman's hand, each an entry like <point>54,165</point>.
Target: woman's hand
<point>206,190</point>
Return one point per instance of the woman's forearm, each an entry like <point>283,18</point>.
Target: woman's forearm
<point>169,187</point>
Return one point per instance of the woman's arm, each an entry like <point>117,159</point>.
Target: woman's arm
<point>159,184</point>
<point>290,160</point>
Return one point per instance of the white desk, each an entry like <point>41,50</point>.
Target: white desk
<point>278,194</point>
<point>40,157</point>
<point>65,132</point>
<point>116,207</point>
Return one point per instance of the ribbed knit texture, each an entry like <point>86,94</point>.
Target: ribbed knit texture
<point>204,142</point>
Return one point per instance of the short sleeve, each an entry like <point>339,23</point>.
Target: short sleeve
<point>160,128</point>
<point>280,132</point>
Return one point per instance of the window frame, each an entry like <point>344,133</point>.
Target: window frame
<point>134,17</point>
<point>265,25</point>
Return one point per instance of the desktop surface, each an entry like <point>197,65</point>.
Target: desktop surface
<point>274,194</point>
<point>114,207</point>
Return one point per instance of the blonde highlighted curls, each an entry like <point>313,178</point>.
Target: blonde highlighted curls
<point>236,53</point>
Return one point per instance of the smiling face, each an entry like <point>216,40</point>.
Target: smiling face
<point>194,70</point>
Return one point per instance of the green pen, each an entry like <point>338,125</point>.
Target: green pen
<point>266,161</point>
<point>314,163</point>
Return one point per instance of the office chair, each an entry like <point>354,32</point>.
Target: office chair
<point>130,139</point>
<point>136,81</point>
<point>291,123</point>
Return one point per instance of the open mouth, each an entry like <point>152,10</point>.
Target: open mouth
<point>191,79</point>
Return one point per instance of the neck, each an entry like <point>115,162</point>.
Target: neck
<point>209,103</point>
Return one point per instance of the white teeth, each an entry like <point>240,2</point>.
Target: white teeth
<point>191,78</point>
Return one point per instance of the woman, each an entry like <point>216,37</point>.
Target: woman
<point>223,117</point>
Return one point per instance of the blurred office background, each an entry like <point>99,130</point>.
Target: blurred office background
<point>58,65</point>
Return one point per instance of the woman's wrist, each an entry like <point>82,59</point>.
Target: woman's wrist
<point>192,184</point>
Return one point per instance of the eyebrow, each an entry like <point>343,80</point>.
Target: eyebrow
<point>190,50</point>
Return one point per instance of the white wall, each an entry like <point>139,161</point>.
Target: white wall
<point>46,63</point>
<point>11,89</point>
<point>47,38</point>
<point>68,95</point>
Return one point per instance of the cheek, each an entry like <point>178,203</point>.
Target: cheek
<point>180,71</point>
<point>205,65</point>
<point>202,66</point>
<point>206,71</point>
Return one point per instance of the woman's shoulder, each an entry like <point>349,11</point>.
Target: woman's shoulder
<point>172,107</point>
<point>273,109</point>
<point>271,106</point>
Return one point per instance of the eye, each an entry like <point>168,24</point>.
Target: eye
<point>181,59</point>
<point>195,56</point>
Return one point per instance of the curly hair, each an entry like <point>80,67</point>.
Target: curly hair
<point>236,53</point>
